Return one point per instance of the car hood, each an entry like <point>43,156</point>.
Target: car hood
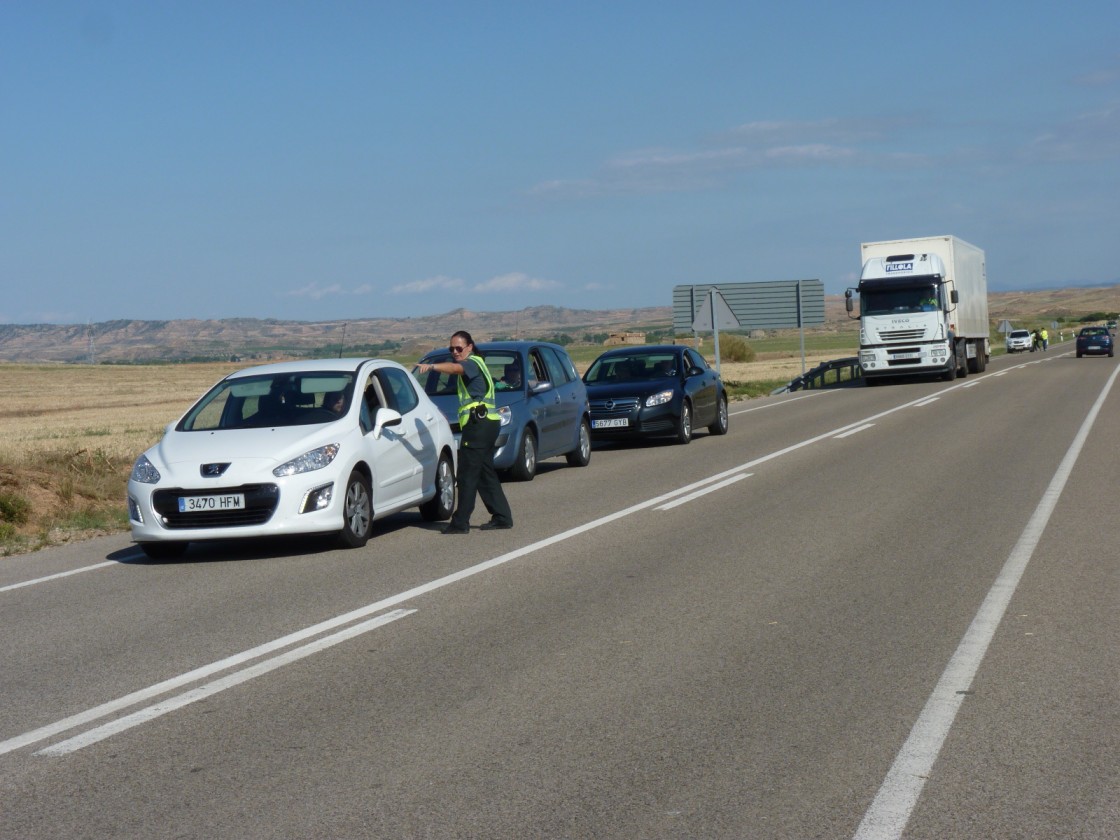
<point>249,450</point>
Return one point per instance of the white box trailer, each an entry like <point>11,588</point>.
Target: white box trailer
<point>923,308</point>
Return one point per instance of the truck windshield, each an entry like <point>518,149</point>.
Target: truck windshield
<point>892,301</point>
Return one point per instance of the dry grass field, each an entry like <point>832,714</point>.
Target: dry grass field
<point>68,437</point>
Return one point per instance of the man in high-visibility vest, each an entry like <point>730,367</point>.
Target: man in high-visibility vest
<point>479,424</point>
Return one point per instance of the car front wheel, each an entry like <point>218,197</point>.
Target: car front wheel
<point>525,466</point>
<point>719,425</point>
<point>357,512</point>
<point>684,423</point>
<point>581,455</point>
<point>442,504</point>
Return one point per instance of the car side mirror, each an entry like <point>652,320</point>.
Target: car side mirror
<point>385,417</point>
<point>695,371</point>
<point>541,387</point>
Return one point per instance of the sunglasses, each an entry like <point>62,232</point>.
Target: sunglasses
<point>455,349</point>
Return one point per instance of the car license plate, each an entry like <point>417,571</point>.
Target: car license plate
<point>619,423</point>
<point>203,504</point>
<point>1093,347</point>
<point>906,355</point>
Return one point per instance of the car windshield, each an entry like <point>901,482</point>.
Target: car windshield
<point>1020,334</point>
<point>282,399</point>
<point>1094,331</point>
<point>504,367</point>
<point>631,367</point>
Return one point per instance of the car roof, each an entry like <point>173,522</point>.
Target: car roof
<point>626,349</point>
<point>310,365</point>
<point>508,346</point>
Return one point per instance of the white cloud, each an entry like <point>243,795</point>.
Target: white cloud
<point>438,283</point>
<point>1088,137</point>
<point>751,146</point>
<point>514,282</point>
<point>316,292</point>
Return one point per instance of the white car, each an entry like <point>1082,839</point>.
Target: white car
<point>1018,341</point>
<point>308,447</point>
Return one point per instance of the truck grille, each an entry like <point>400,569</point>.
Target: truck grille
<point>902,335</point>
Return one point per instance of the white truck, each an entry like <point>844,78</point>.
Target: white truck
<point>923,308</point>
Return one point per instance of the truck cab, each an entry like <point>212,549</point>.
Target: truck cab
<point>905,313</point>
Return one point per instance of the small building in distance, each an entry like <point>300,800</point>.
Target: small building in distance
<point>625,338</point>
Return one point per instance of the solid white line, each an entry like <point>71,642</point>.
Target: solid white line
<point>697,494</point>
<point>12,586</point>
<point>890,811</point>
<point>202,692</point>
<point>856,430</point>
<point>782,402</point>
<point>151,692</point>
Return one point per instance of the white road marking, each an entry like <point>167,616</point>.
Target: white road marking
<point>855,431</point>
<point>698,493</point>
<point>12,586</point>
<point>891,809</point>
<point>194,695</point>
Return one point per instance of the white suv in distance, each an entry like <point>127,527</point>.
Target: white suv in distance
<point>1018,341</point>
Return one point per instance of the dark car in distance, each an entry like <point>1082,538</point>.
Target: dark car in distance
<point>661,390</point>
<point>539,395</point>
<point>1094,341</point>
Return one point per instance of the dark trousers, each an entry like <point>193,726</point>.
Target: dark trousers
<point>477,473</point>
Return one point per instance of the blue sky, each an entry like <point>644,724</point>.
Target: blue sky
<point>326,160</point>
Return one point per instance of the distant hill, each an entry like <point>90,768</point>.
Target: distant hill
<point>252,339</point>
<point>262,339</point>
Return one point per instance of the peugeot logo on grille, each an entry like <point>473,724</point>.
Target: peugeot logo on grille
<point>213,470</point>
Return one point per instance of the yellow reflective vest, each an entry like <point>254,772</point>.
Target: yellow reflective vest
<point>467,403</point>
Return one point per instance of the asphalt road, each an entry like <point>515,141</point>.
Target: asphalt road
<point>865,612</point>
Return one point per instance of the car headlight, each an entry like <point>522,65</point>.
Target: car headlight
<point>506,414</point>
<point>144,471</point>
<point>660,398</point>
<point>316,459</point>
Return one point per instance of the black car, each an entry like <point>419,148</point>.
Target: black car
<point>652,391</point>
<point>1093,341</point>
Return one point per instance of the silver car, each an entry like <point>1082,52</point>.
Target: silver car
<point>1018,341</point>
